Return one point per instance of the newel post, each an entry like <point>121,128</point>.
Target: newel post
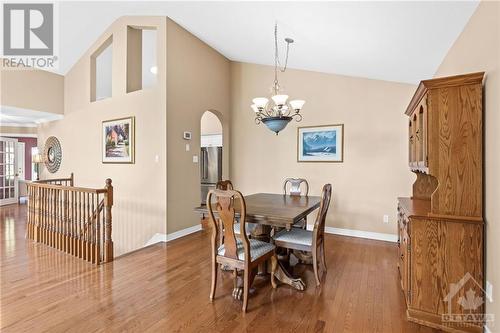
<point>71,180</point>
<point>108,203</point>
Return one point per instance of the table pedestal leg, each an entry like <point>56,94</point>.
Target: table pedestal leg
<point>304,257</point>
<point>262,232</point>
<point>284,277</point>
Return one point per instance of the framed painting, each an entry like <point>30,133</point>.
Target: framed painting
<point>118,140</point>
<point>320,143</point>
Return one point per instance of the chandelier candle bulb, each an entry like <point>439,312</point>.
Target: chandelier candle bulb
<point>297,104</point>
<point>260,102</point>
<point>280,100</point>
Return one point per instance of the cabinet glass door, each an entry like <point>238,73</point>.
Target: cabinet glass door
<point>8,169</point>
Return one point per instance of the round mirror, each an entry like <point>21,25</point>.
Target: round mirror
<point>52,154</point>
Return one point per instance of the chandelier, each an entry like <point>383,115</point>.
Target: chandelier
<point>278,113</point>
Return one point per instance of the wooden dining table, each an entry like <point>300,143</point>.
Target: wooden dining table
<point>270,212</point>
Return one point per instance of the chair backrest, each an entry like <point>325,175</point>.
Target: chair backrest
<point>224,206</point>
<point>295,184</point>
<point>224,185</point>
<point>319,224</point>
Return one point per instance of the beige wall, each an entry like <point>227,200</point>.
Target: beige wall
<point>140,189</point>
<point>32,89</point>
<point>4,130</point>
<point>210,124</point>
<point>374,172</point>
<point>478,49</point>
<point>197,80</point>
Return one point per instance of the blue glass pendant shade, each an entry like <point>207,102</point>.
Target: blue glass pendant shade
<point>276,124</point>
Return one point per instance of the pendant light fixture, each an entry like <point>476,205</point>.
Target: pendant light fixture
<point>277,113</point>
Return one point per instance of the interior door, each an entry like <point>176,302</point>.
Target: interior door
<point>8,171</point>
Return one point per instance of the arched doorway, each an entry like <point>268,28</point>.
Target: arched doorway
<point>211,144</point>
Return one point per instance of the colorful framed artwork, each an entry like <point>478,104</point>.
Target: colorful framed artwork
<point>118,140</point>
<point>320,143</point>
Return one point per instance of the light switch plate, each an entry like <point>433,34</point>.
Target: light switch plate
<point>386,218</point>
<point>195,158</point>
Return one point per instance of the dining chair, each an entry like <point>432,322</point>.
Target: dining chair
<point>228,185</point>
<point>237,251</point>
<point>224,185</point>
<point>295,189</point>
<point>295,186</point>
<point>306,240</point>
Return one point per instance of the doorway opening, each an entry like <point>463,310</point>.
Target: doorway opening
<point>210,153</point>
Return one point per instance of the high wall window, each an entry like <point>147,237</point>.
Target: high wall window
<point>142,67</point>
<point>101,71</point>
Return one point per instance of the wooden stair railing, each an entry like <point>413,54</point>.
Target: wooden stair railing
<point>75,220</point>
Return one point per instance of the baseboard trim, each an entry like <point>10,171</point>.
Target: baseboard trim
<point>362,234</point>
<point>157,238</point>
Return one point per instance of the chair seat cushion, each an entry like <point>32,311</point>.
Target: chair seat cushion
<point>295,236</point>
<point>249,227</point>
<point>257,249</point>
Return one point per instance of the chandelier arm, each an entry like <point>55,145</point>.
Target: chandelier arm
<point>266,112</point>
<point>298,115</point>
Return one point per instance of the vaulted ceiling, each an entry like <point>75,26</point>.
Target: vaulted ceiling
<point>396,41</point>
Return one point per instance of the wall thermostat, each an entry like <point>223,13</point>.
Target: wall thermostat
<point>187,135</point>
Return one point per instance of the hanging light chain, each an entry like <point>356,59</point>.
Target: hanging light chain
<point>277,63</point>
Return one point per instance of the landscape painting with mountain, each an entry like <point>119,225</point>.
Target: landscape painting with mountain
<point>320,144</point>
<point>118,141</point>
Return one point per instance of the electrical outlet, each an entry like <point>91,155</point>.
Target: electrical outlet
<point>386,218</point>
<point>195,158</point>
<point>489,291</point>
<point>188,147</point>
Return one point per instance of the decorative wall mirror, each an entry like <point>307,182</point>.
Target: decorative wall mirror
<point>52,154</point>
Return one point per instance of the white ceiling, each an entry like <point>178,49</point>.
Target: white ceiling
<point>396,41</point>
<point>11,116</point>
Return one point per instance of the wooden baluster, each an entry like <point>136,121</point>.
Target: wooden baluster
<point>45,216</point>
<point>108,203</point>
<point>29,218</point>
<point>52,217</point>
<point>72,239</point>
<point>49,218</point>
<point>97,232</point>
<point>92,225</point>
<point>42,214</point>
<point>58,219</point>
<point>72,224</point>
<point>87,225</point>
<point>78,229</point>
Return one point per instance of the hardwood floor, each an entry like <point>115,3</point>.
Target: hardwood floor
<point>165,288</point>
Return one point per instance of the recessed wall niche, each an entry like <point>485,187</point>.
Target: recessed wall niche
<point>101,74</point>
<point>142,65</point>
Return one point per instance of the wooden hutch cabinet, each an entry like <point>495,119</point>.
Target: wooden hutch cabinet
<point>441,226</point>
